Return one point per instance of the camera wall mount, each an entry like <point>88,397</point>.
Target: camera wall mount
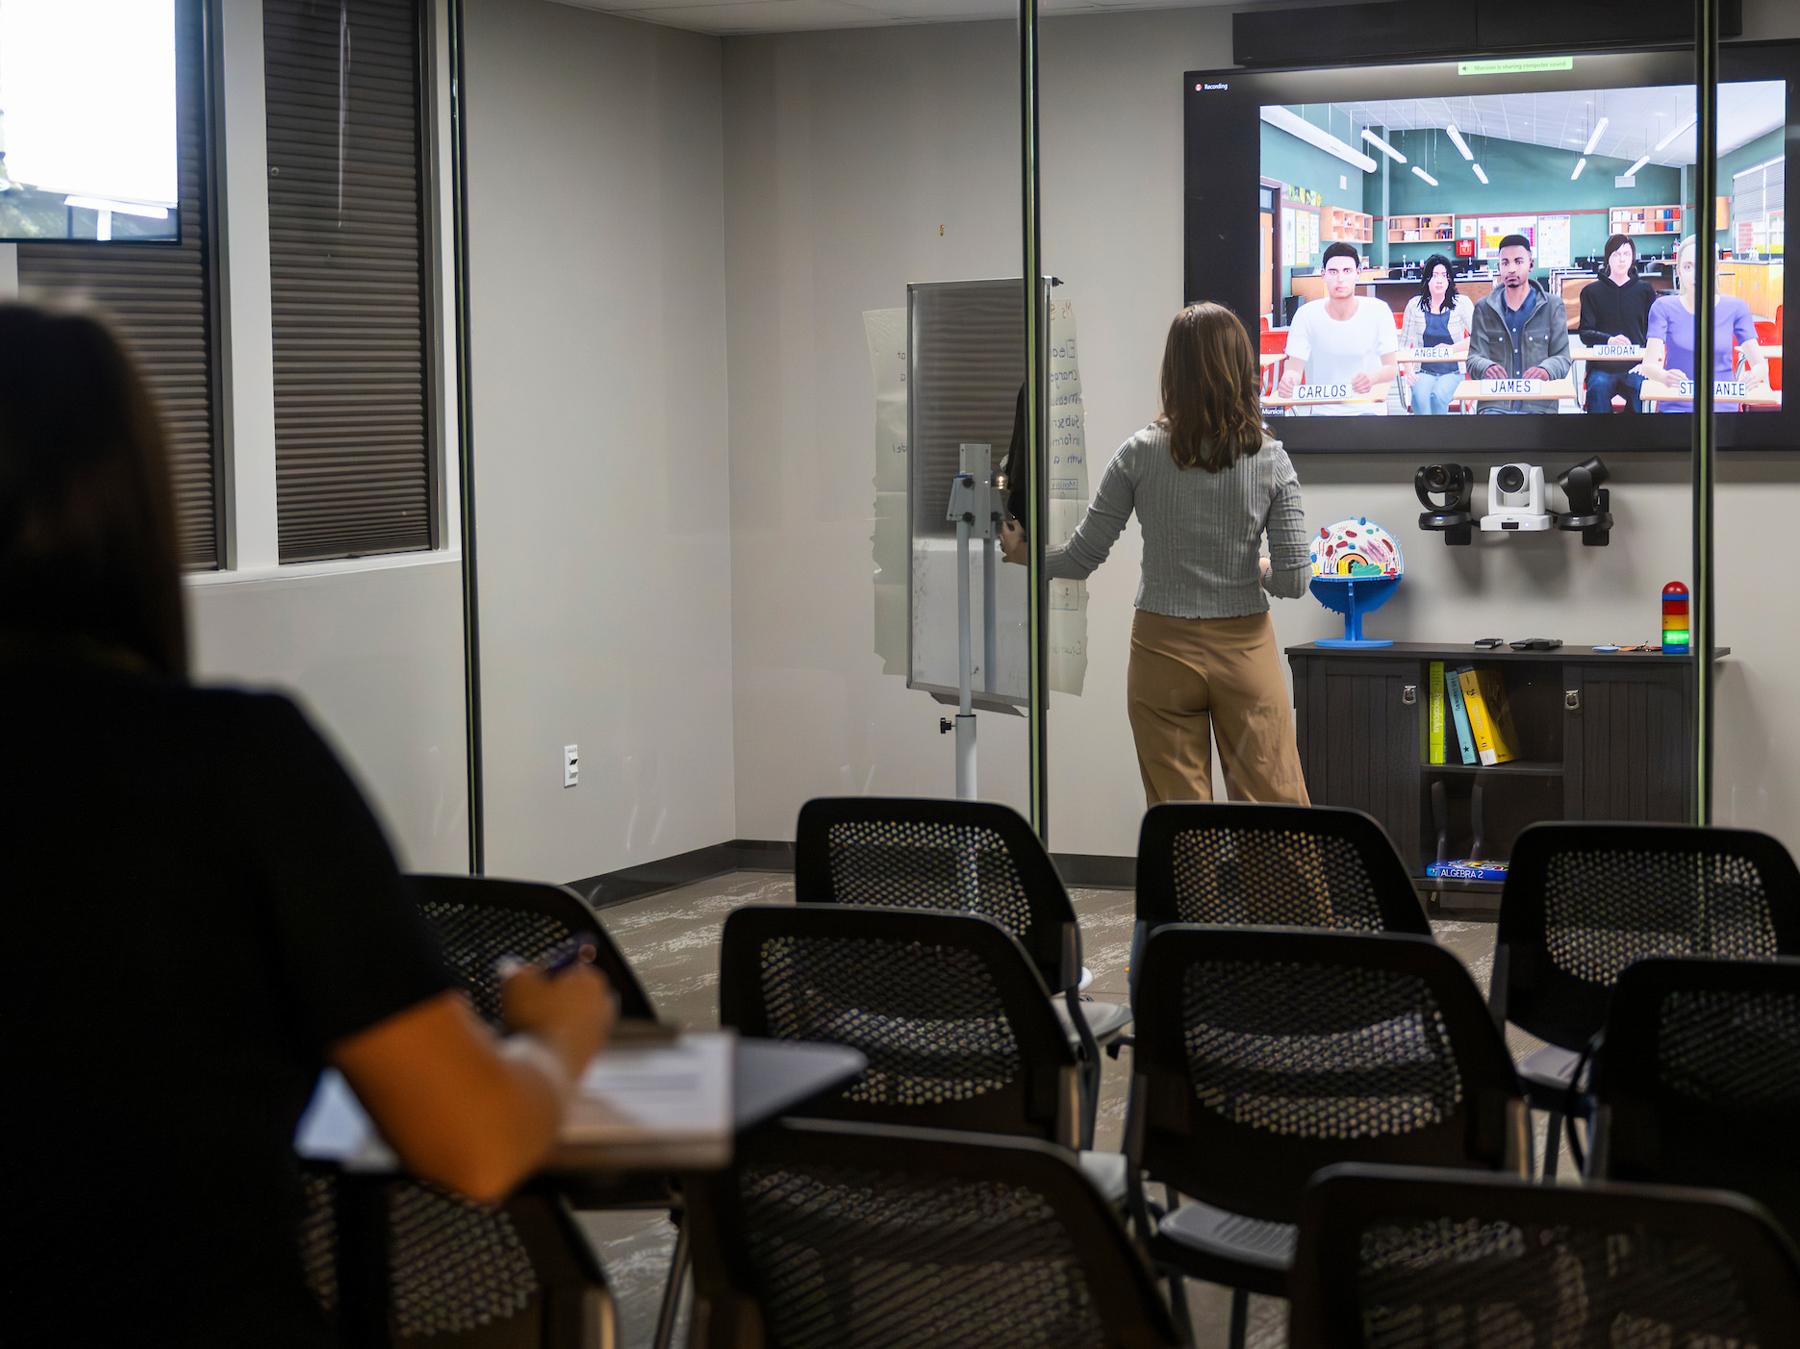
<point>1518,500</point>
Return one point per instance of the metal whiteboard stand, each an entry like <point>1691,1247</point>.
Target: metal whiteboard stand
<point>977,507</point>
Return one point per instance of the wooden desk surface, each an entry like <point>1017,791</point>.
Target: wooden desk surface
<point>1547,391</point>
<point>1270,358</point>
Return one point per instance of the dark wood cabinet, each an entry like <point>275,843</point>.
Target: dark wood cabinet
<point>1600,737</point>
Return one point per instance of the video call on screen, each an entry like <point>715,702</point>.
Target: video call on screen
<point>1426,172</point>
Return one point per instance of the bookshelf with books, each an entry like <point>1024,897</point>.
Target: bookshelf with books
<point>1586,735</point>
<point>1418,229</point>
<point>1644,220</point>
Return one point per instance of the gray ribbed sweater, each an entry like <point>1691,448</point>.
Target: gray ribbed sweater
<point>1202,531</point>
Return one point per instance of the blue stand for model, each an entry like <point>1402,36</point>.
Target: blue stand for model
<point>1353,596</point>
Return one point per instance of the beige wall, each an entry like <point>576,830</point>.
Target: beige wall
<point>855,163</point>
<point>828,142</point>
<point>375,658</point>
<point>597,298</point>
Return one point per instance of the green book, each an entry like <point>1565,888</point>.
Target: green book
<point>1436,711</point>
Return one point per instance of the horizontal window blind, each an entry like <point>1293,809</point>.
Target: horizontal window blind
<point>966,366</point>
<point>159,298</point>
<point>353,431</point>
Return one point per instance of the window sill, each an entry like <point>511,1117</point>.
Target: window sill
<point>303,571</point>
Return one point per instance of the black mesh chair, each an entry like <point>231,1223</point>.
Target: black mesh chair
<point>447,1272</point>
<point>1263,1054</point>
<point>1396,1258</point>
<point>955,1022</point>
<point>1583,901</point>
<point>478,919</point>
<point>455,1268</point>
<point>968,856</point>
<point>1231,864</point>
<point>835,1236</point>
<point>1698,1082</point>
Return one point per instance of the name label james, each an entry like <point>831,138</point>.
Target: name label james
<point>1510,388</point>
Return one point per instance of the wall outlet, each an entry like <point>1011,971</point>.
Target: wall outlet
<point>571,765</point>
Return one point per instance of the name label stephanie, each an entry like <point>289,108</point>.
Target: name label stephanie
<point>1722,388</point>
<point>1323,393</point>
<point>1510,388</point>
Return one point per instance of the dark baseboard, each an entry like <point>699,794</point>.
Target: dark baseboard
<point>1096,871</point>
<point>1086,871</point>
<point>629,883</point>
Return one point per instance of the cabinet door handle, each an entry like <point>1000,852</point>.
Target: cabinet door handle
<point>1409,694</point>
<point>1572,700</point>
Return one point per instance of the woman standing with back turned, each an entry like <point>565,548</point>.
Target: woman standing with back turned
<point>1207,482</point>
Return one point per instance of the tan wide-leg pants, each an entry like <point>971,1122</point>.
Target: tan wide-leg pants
<point>1193,680</point>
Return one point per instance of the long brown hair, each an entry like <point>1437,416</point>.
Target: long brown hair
<point>1211,389</point>
<point>87,523</point>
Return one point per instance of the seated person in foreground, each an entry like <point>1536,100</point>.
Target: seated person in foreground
<point>1345,339</point>
<point>1615,311</point>
<point>203,914</point>
<point>1520,331</point>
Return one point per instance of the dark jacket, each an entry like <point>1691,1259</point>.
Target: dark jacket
<point>1543,341</point>
<point>1608,311</point>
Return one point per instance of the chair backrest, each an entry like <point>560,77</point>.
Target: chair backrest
<point>950,1013</point>
<point>964,856</point>
<point>1272,866</point>
<point>1698,1079</point>
<point>1390,1257</point>
<point>1263,1054</point>
<point>479,919</point>
<point>833,1236</point>
<point>459,1275</point>
<point>1583,901</point>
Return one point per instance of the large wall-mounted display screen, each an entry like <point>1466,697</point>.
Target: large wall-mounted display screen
<point>87,121</point>
<point>1496,254</point>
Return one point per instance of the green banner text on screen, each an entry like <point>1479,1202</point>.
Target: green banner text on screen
<point>1517,65</point>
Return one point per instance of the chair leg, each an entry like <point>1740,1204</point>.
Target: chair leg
<point>1552,1143</point>
<point>671,1299</point>
<point>1240,1317</point>
<point>1178,1308</point>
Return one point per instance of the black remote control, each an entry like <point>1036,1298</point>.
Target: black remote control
<point>1490,642</point>
<point>1537,644</point>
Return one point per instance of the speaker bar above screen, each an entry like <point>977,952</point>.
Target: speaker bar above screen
<point>1397,30</point>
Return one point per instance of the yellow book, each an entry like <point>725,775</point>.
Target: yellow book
<point>1490,715</point>
<point>1435,707</point>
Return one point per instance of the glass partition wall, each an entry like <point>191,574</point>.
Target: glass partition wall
<point>878,349</point>
<point>1451,466</point>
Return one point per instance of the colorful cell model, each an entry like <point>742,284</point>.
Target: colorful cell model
<point>1675,619</point>
<point>1356,548</point>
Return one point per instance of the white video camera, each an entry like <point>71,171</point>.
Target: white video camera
<point>1515,499</point>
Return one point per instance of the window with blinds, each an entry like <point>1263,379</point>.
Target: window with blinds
<point>1758,200</point>
<point>160,299</point>
<point>353,426</point>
